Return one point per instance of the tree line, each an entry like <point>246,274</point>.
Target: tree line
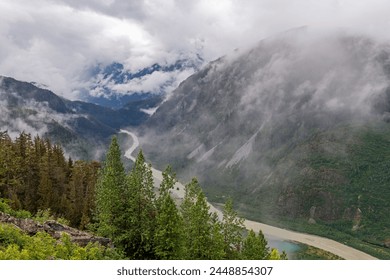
<point>35,176</point>
<point>143,222</point>
<point>148,224</point>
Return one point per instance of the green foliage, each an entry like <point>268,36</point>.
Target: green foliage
<point>6,208</point>
<point>311,253</point>
<point>16,245</point>
<point>232,228</point>
<point>45,215</point>
<point>148,226</point>
<point>125,205</point>
<point>110,193</point>
<point>168,237</point>
<point>196,217</point>
<point>139,219</point>
<point>34,174</point>
<point>255,247</point>
<point>338,171</point>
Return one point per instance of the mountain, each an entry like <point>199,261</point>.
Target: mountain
<point>75,124</point>
<point>114,85</point>
<point>296,129</point>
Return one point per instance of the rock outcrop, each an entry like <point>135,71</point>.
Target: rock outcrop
<point>54,229</point>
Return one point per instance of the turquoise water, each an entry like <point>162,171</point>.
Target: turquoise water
<point>282,245</point>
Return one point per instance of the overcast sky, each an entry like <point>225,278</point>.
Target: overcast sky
<point>55,42</point>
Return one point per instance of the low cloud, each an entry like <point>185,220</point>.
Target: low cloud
<point>56,42</point>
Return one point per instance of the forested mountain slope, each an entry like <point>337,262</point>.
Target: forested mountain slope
<point>296,129</point>
<point>83,128</point>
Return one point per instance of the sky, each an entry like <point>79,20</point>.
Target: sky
<point>58,42</point>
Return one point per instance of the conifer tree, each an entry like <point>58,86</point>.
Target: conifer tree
<point>216,247</point>
<point>167,184</point>
<point>255,247</point>
<point>232,228</point>
<point>168,238</point>
<point>197,223</point>
<point>139,218</point>
<point>109,193</point>
<point>45,188</point>
<point>89,194</point>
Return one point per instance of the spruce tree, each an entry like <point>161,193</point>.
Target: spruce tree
<point>232,228</point>
<point>197,223</point>
<point>216,247</point>
<point>139,218</point>
<point>168,237</point>
<point>45,187</point>
<point>255,247</point>
<point>110,189</point>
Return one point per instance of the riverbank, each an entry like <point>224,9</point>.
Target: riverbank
<point>323,243</point>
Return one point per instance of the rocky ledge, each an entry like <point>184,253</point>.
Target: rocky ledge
<point>54,229</point>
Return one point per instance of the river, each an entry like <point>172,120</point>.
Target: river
<point>280,238</point>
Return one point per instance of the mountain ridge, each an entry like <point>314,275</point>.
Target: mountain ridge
<point>76,124</point>
<point>254,124</point>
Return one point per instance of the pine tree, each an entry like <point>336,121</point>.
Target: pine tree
<point>168,237</point>
<point>167,184</point>
<point>45,188</point>
<point>139,218</point>
<point>255,247</point>
<point>109,193</point>
<point>197,223</point>
<point>232,228</point>
<point>9,176</point>
<point>89,194</point>
<point>216,247</point>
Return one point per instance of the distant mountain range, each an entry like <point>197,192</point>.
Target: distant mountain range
<point>75,124</point>
<point>114,86</point>
<point>296,129</point>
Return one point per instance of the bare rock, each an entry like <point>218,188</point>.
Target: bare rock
<point>54,229</point>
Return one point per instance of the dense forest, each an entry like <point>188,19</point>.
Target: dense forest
<point>141,221</point>
<point>35,175</point>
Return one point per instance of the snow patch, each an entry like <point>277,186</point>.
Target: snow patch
<point>243,152</point>
<point>207,154</point>
<point>222,163</point>
<point>199,150</point>
<point>149,111</point>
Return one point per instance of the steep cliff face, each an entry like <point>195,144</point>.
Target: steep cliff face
<point>284,127</point>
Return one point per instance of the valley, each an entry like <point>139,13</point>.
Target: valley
<point>271,232</point>
<point>296,129</point>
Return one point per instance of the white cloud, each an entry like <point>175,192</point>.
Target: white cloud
<point>55,42</point>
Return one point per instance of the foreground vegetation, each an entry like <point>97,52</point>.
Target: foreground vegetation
<point>37,182</point>
<point>146,225</point>
<point>35,175</point>
<point>17,245</point>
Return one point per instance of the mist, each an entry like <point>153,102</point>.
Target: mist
<point>244,123</point>
<point>23,110</point>
<point>39,39</point>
